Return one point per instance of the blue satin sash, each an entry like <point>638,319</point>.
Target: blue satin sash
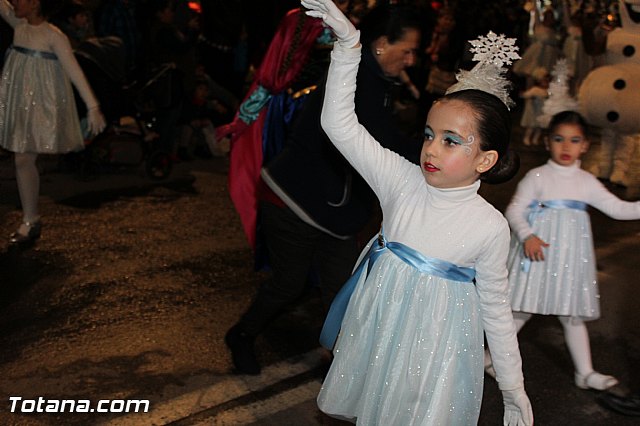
<point>427,265</point>
<point>35,53</point>
<point>537,207</point>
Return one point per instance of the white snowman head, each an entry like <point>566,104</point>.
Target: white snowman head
<point>623,43</point>
<point>609,97</point>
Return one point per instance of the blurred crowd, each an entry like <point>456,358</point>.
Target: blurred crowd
<point>217,45</point>
<point>211,44</point>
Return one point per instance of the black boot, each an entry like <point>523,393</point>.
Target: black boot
<point>628,404</point>
<point>242,351</point>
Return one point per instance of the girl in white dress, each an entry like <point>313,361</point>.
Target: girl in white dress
<point>544,49</point>
<point>552,267</point>
<point>533,100</point>
<point>410,345</point>
<point>37,108</point>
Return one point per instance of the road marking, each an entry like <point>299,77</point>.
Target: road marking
<point>229,388</point>
<point>252,413</point>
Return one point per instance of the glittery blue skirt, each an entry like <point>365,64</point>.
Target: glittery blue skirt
<point>37,108</point>
<point>565,283</point>
<point>410,351</point>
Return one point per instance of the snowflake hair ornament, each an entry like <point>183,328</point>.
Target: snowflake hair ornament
<point>559,98</point>
<point>492,52</point>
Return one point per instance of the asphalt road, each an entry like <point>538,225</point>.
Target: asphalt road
<point>130,290</point>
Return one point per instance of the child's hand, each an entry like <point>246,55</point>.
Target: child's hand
<point>95,120</point>
<point>533,248</point>
<point>327,10</point>
<point>517,408</point>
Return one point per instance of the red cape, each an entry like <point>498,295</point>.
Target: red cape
<point>246,142</point>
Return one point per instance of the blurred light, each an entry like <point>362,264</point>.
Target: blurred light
<point>195,6</point>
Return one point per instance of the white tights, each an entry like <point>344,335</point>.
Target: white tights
<point>576,337</point>
<point>28,180</point>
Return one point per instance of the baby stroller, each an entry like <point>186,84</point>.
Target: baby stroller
<point>131,137</point>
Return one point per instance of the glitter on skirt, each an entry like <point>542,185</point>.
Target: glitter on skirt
<point>410,351</point>
<point>565,282</point>
<point>37,108</point>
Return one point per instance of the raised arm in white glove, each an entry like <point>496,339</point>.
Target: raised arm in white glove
<point>95,121</point>
<point>342,27</point>
<point>517,408</point>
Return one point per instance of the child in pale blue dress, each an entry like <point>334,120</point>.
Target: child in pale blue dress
<point>552,265</point>
<point>410,344</point>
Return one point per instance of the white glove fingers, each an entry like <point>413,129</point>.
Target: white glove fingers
<point>517,408</point>
<point>508,419</point>
<point>333,17</point>
<point>526,412</point>
<point>315,5</point>
<point>316,14</point>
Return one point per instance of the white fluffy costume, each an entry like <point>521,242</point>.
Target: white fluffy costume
<point>619,83</point>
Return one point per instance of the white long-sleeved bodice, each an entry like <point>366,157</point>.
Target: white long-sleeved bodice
<point>552,181</point>
<point>48,38</point>
<point>456,225</point>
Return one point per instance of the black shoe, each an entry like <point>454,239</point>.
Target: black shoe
<point>242,351</point>
<point>629,405</point>
<point>32,235</point>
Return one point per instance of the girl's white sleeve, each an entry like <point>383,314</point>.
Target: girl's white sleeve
<point>492,286</point>
<point>609,204</point>
<point>62,48</point>
<point>516,212</point>
<point>6,10</point>
<point>379,166</point>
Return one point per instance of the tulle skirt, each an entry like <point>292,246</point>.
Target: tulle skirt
<point>37,108</point>
<point>410,351</point>
<point>543,52</point>
<point>565,282</point>
<point>531,111</point>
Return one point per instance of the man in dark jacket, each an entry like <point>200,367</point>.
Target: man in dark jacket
<point>314,205</point>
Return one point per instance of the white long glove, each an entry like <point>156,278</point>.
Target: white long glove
<point>342,27</point>
<point>517,408</point>
<point>95,121</point>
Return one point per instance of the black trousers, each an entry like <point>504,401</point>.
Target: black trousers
<point>295,248</point>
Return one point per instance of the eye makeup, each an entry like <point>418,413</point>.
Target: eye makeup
<point>451,138</point>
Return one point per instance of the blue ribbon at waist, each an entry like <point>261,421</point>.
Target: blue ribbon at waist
<point>537,207</point>
<point>427,265</point>
<point>35,53</point>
